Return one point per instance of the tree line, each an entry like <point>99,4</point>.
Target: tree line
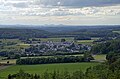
<point>55,59</point>
<point>23,33</point>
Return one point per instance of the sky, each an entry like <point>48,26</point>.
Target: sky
<point>66,12</point>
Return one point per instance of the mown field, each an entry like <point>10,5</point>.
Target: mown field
<point>87,42</point>
<point>69,39</point>
<point>70,67</point>
<point>116,32</point>
<point>100,57</point>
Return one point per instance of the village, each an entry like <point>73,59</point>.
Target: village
<point>56,47</point>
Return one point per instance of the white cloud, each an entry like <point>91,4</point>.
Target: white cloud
<point>28,7</point>
<point>15,9</point>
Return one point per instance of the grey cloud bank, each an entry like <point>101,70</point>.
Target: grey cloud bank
<point>79,3</point>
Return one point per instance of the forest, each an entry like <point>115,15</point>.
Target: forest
<point>41,32</point>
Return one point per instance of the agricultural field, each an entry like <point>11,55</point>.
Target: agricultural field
<point>116,32</point>
<point>3,60</point>
<point>87,42</point>
<point>69,39</point>
<point>11,61</point>
<point>10,40</point>
<point>100,57</point>
<point>71,67</point>
<point>17,46</point>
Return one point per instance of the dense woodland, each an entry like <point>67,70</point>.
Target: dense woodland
<point>13,33</point>
<point>55,59</point>
<point>23,33</point>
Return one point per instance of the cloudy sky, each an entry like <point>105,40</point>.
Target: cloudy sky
<point>67,12</point>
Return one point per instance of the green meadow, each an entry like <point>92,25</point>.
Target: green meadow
<point>39,69</point>
<point>116,32</point>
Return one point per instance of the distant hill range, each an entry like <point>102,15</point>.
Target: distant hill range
<point>61,28</point>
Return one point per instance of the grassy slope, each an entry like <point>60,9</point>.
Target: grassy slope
<point>50,67</point>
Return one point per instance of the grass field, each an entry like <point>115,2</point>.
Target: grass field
<point>19,45</point>
<point>116,32</point>
<point>71,67</point>
<point>56,39</point>
<point>69,39</point>
<point>87,42</point>
<point>99,57</point>
<point>10,40</point>
<point>11,61</point>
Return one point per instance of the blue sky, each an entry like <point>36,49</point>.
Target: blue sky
<point>67,12</point>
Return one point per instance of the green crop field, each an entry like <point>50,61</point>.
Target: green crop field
<point>71,67</point>
<point>87,42</point>
<point>99,57</point>
<point>19,45</point>
<point>57,39</point>
<point>116,32</point>
<point>10,40</point>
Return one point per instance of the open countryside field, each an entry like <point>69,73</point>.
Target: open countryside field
<point>116,32</point>
<point>71,67</point>
<point>11,61</point>
<point>87,42</point>
<point>17,46</point>
<point>10,40</point>
<point>69,39</point>
<point>100,57</point>
<point>57,39</point>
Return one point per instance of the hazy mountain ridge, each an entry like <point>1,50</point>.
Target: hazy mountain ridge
<point>60,28</point>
